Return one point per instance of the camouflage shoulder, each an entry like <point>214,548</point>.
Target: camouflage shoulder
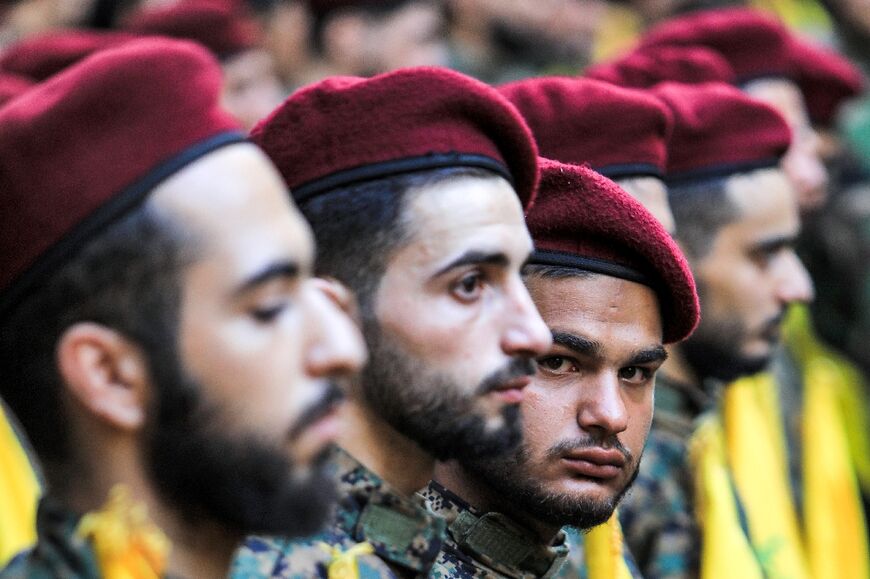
<point>26,566</point>
<point>453,564</point>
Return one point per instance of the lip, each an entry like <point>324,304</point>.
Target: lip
<point>511,392</point>
<point>320,434</point>
<point>598,463</point>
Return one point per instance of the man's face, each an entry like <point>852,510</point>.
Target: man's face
<point>803,162</point>
<point>587,413</point>
<point>246,405</point>
<point>652,193</point>
<point>413,35</point>
<point>251,88</point>
<point>747,279</point>
<point>455,331</point>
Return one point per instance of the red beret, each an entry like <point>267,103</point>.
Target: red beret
<point>753,43</point>
<point>586,221</point>
<point>90,143</point>
<point>345,130</point>
<point>42,56</point>
<point>719,131</point>
<point>222,26</point>
<point>11,86</point>
<point>826,80</point>
<point>648,66</point>
<point>619,131</point>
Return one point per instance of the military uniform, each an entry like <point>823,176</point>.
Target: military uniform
<point>657,516</point>
<point>58,552</point>
<point>405,537</point>
<point>489,545</point>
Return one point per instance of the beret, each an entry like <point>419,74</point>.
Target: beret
<point>826,80</point>
<point>649,65</point>
<point>753,43</point>
<point>87,145</point>
<point>756,46</point>
<point>619,132</point>
<point>219,25</point>
<point>719,131</point>
<point>586,221</point>
<point>346,130</point>
<point>11,86</point>
<point>41,56</point>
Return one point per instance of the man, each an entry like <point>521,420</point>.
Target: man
<point>737,220</point>
<point>160,340</point>
<point>573,122</point>
<point>612,286</point>
<point>414,183</point>
<point>251,84</point>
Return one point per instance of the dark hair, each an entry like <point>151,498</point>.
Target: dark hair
<point>701,209</point>
<point>359,226</point>
<point>126,278</point>
<point>554,271</point>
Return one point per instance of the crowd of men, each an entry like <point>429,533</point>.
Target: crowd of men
<point>400,289</point>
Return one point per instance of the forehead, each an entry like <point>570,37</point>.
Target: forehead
<point>783,95</point>
<point>766,204</point>
<point>234,202</point>
<point>467,212</point>
<point>616,312</point>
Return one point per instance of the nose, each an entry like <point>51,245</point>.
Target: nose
<point>807,172</point>
<point>335,345</point>
<point>526,334</point>
<point>793,281</point>
<point>600,407</point>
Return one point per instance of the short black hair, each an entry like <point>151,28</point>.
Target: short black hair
<point>554,271</point>
<point>701,209</point>
<point>358,227</point>
<point>126,278</point>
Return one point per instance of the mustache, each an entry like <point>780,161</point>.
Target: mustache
<point>516,368</point>
<point>332,395</point>
<point>771,328</point>
<point>608,442</point>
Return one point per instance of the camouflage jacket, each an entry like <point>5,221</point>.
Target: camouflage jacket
<point>657,515</point>
<point>58,552</point>
<point>406,538</point>
<point>488,545</point>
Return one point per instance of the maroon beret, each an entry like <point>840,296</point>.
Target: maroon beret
<point>40,57</point>
<point>753,43</point>
<point>620,132</point>
<point>586,221</point>
<point>345,130</point>
<point>85,146</point>
<point>222,26</point>
<point>719,131</point>
<point>826,80</point>
<point>11,86</point>
<point>650,65</point>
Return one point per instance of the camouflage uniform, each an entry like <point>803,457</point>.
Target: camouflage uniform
<point>657,516</point>
<point>489,545</point>
<point>58,551</point>
<point>405,537</point>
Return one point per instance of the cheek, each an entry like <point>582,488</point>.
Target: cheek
<point>640,412</point>
<point>547,419</point>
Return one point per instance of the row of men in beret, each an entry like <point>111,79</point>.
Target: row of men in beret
<point>497,280</point>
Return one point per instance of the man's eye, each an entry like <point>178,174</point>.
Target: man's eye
<point>469,287</point>
<point>635,374</point>
<point>556,364</point>
<point>267,314</point>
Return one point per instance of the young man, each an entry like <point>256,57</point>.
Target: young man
<point>620,133</point>
<point>737,220</point>
<point>414,183</point>
<point>160,340</point>
<point>612,287</point>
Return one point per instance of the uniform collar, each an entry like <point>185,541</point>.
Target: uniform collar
<point>494,539</point>
<point>399,527</point>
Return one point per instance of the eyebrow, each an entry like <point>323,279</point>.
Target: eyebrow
<point>281,270</point>
<point>474,257</point>
<point>593,348</point>
<point>774,244</point>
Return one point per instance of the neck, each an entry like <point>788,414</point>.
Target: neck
<point>198,550</point>
<point>676,368</point>
<point>397,459</point>
<point>478,494</point>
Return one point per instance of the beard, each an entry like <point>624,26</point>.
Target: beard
<point>715,349</point>
<point>244,483</point>
<point>513,480</point>
<point>431,409</point>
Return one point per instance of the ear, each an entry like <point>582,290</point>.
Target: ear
<point>105,373</point>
